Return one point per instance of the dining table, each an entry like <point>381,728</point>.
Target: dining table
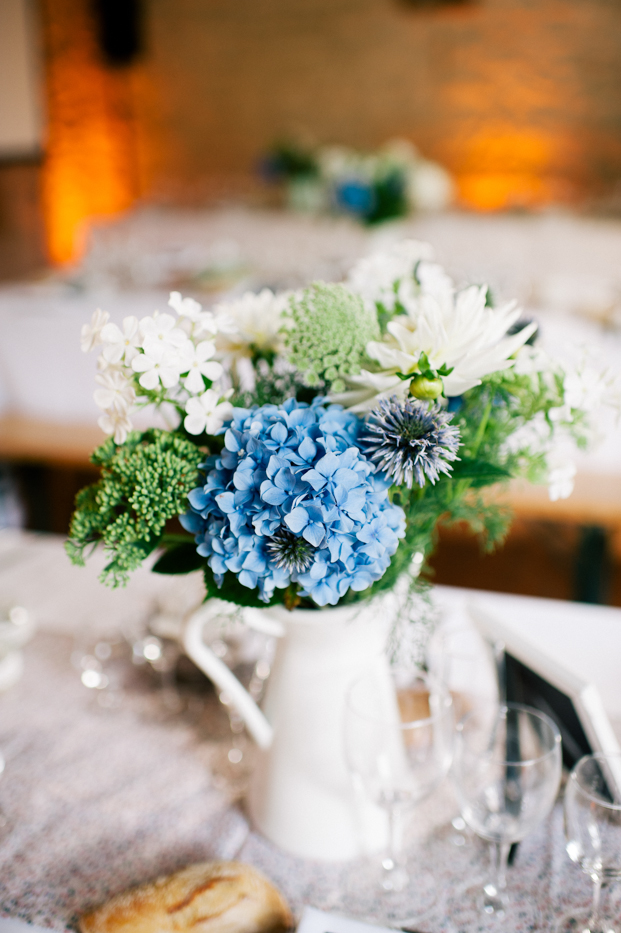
<point>97,797</point>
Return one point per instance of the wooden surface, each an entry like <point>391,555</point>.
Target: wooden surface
<point>30,440</point>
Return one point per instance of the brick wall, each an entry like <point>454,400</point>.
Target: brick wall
<point>520,98</point>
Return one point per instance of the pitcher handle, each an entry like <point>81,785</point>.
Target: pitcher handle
<point>222,676</point>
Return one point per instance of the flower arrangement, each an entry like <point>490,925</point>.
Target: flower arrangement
<point>372,187</point>
<point>318,438</point>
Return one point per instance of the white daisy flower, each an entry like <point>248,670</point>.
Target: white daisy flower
<point>160,330</point>
<point>185,307</point>
<point>116,423</point>
<point>121,344</point>
<point>90,334</point>
<point>117,392</point>
<point>207,413</point>
<point>197,362</point>
<point>160,363</point>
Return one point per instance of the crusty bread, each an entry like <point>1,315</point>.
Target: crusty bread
<point>212,897</point>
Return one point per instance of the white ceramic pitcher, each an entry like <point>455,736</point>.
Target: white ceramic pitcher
<point>301,796</point>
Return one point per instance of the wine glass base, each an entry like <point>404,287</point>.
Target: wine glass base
<point>400,900</point>
<point>579,921</point>
<point>474,909</point>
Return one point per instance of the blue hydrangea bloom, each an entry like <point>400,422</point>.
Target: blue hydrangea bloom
<point>295,471</point>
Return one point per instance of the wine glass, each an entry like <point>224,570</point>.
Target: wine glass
<point>507,772</point>
<point>467,665</point>
<point>592,811</point>
<point>398,744</point>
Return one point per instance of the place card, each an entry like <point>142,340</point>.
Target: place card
<point>320,921</point>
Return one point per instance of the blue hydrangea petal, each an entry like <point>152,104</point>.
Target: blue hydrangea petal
<point>297,519</point>
<point>314,533</point>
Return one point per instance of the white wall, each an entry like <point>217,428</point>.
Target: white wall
<point>20,104</point>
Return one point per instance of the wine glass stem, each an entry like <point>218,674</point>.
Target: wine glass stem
<point>600,906</point>
<point>597,900</point>
<point>394,875</point>
<point>493,891</point>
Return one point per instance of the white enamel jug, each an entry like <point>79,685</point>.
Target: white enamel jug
<point>301,796</point>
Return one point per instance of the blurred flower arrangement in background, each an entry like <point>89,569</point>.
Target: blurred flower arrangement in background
<point>318,438</point>
<point>392,182</point>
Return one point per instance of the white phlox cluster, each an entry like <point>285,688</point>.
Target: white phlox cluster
<point>162,358</point>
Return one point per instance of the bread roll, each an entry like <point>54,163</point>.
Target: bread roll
<point>212,897</point>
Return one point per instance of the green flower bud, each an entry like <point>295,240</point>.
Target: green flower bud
<point>421,387</point>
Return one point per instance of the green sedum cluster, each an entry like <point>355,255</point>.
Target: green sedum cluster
<point>330,328</point>
<point>144,483</point>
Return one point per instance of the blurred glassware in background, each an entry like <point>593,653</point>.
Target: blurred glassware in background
<point>102,658</point>
<point>507,772</point>
<point>592,810</point>
<point>397,754</point>
<point>123,258</point>
<point>249,654</point>
<point>467,665</point>
<point>16,628</point>
<point>133,660</point>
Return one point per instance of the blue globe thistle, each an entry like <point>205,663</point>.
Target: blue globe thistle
<point>290,552</point>
<point>292,498</point>
<point>410,441</point>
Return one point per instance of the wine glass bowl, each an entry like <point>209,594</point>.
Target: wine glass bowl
<point>507,772</point>
<point>592,821</point>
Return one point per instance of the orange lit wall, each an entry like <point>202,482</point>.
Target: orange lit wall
<point>90,165</point>
<point>520,99</point>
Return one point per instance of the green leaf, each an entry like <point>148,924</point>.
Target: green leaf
<point>405,377</point>
<point>423,362</point>
<point>183,558</point>
<point>481,472</point>
<point>233,592</point>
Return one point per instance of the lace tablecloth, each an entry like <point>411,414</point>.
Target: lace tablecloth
<point>100,799</point>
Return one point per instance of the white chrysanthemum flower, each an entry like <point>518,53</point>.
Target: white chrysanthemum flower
<point>197,362</point>
<point>207,412</point>
<point>258,319</point>
<point>456,332</point>
<point>378,277</point>
<point>116,423</point>
<point>160,363</point>
<point>90,334</point>
<point>160,330</point>
<point>121,344</point>
<point>117,392</point>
